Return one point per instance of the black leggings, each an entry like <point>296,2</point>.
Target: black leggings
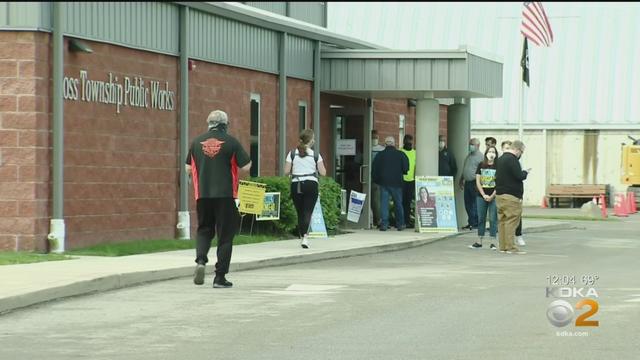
<point>304,202</point>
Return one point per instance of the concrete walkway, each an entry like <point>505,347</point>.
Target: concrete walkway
<point>28,284</point>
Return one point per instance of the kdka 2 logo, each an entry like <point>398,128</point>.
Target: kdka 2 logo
<point>561,313</point>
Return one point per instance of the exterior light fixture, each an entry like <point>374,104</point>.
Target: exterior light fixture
<point>79,46</point>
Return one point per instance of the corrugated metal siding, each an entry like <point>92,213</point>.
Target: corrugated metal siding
<point>311,12</point>
<point>396,74</point>
<point>216,39</point>
<point>27,15</point>
<point>146,25</point>
<point>485,76</point>
<point>299,57</point>
<point>277,7</point>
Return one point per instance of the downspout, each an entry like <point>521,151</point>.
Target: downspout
<point>184,219</point>
<point>282,125</point>
<point>316,94</point>
<point>56,235</point>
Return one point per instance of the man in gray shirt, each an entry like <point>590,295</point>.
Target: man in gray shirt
<point>468,182</point>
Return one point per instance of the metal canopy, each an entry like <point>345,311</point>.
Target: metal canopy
<point>410,74</point>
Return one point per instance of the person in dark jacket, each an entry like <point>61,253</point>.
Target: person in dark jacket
<point>388,169</point>
<point>214,160</point>
<point>446,162</point>
<point>509,191</point>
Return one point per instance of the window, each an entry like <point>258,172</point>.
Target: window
<point>401,126</point>
<point>302,115</point>
<point>254,151</point>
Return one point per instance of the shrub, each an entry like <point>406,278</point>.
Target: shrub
<point>329,199</point>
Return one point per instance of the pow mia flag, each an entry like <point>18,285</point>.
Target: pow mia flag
<point>524,62</point>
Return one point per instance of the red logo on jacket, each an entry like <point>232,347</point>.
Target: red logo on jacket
<point>211,147</point>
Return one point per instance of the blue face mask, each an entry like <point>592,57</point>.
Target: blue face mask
<point>472,148</point>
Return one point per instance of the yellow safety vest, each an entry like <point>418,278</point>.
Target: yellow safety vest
<point>411,154</point>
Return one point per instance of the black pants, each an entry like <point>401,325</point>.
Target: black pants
<point>408,195</point>
<point>519,228</point>
<point>304,201</point>
<point>220,216</point>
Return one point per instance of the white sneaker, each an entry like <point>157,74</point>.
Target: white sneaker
<point>305,242</point>
<point>520,241</point>
<point>517,252</point>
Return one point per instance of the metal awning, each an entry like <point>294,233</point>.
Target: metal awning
<point>410,74</point>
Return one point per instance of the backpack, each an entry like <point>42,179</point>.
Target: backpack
<point>316,156</point>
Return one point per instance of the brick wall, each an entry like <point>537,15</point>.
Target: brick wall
<point>121,175</point>
<point>24,139</point>
<point>297,90</point>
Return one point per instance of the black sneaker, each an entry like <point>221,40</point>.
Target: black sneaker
<point>401,228</point>
<point>198,275</point>
<point>383,229</point>
<point>221,282</point>
<point>493,247</point>
<point>475,246</point>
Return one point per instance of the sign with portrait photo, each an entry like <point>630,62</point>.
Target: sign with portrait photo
<point>435,204</point>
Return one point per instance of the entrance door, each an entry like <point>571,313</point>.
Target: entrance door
<point>352,171</point>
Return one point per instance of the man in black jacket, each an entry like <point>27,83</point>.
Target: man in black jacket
<point>387,171</point>
<point>509,190</point>
<point>446,162</point>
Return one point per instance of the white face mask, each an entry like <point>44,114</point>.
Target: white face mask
<point>441,145</point>
<point>491,156</point>
<point>374,142</point>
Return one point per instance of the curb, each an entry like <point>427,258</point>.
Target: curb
<point>547,228</point>
<point>119,281</point>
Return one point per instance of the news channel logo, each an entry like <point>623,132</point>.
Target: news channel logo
<point>561,313</point>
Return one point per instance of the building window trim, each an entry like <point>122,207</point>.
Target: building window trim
<point>301,126</point>
<point>255,97</point>
<point>402,122</point>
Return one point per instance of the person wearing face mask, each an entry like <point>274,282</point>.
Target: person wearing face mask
<point>486,184</point>
<point>304,166</point>
<point>213,162</point>
<point>509,191</point>
<point>376,148</point>
<point>409,184</point>
<point>468,183</point>
<point>446,162</point>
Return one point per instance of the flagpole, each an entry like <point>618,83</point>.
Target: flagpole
<point>520,130</point>
<point>522,90</point>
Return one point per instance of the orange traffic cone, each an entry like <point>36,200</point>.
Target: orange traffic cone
<point>620,207</point>
<point>544,202</point>
<point>631,203</point>
<point>603,207</point>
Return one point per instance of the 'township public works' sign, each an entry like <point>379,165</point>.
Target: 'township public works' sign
<point>135,92</point>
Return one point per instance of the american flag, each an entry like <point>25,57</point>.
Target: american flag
<point>535,24</point>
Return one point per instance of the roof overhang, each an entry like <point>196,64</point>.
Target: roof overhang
<point>411,74</point>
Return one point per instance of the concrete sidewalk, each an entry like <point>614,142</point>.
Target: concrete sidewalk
<point>28,284</point>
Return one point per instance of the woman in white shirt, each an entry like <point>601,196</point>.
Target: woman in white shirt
<point>304,166</point>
